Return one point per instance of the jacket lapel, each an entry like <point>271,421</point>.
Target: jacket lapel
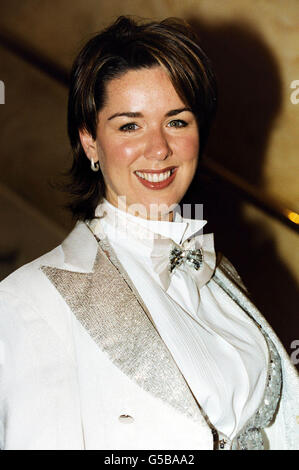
<point>104,300</point>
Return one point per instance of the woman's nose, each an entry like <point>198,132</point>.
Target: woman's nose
<point>157,147</point>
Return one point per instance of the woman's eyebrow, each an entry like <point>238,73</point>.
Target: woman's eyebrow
<point>173,112</point>
<point>127,114</point>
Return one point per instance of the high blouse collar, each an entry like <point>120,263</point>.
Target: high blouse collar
<point>153,240</point>
<point>128,225</point>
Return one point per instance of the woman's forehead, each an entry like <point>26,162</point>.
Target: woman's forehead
<point>142,89</point>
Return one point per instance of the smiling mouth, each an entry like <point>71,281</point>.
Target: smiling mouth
<point>157,179</point>
<point>156,176</point>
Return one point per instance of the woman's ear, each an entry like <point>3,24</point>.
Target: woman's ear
<point>89,145</point>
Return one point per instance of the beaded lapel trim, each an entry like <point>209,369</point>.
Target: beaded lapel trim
<point>250,437</point>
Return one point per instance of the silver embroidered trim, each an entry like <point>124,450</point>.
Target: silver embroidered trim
<point>250,437</point>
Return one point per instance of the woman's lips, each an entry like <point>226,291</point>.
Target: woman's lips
<point>158,184</point>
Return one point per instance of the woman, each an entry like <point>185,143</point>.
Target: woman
<point>130,334</point>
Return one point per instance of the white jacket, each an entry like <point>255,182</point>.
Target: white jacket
<point>70,316</point>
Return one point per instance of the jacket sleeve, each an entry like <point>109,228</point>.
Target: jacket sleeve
<point>6,338</point>
<point>13,354</point>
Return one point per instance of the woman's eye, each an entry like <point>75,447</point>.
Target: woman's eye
<point>128,127</point>
<point>177,123</point>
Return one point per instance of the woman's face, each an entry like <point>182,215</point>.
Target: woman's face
<point>145,132</point>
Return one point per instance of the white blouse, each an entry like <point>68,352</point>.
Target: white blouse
<point>221,353</point>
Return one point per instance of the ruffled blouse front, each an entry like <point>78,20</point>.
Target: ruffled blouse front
<point>219,350</point>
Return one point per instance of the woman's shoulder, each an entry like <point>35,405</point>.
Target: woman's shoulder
<point>19,278</point>
<point>225,265</point>
<point>56,258</point>
<point>27,288</point>
<point>29,284</point>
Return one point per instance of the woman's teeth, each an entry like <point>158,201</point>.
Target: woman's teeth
<point>154,177</point>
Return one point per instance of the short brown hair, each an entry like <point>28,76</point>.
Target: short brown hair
<point>131,45</point>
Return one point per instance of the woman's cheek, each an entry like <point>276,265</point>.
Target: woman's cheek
<point>125,153</point>
<point>188,148</point>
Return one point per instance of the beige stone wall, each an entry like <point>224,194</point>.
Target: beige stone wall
<point>33,138</point>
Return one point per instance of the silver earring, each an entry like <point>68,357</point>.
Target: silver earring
<point>95,166</point>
